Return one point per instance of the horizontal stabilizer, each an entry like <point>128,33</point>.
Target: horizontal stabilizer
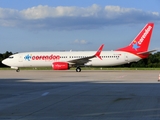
<point>147,52</point>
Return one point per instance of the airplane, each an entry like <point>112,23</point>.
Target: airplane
<point>136,50</point>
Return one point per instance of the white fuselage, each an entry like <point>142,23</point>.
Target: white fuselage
<point>44,59</point>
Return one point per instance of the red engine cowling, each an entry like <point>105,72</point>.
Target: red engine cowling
<point>60,66</point>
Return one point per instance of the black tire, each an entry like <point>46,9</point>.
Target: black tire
<point>78,69</point>
<point>17,70</point>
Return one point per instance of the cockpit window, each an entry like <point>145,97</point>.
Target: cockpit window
<point>11,57</point>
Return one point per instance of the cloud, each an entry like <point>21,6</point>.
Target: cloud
<point>73,18</point>
<point>81,42</point>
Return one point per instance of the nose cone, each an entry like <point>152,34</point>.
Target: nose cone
<point>5,62</point>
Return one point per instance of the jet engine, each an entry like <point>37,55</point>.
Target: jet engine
<point>60,66</point>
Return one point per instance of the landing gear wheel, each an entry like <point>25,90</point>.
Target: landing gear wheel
<point>17,70</point>
<point>78,69</point>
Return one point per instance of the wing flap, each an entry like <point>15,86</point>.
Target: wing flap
<point>81,61</point>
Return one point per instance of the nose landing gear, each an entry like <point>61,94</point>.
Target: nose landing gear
<point>18,70</point>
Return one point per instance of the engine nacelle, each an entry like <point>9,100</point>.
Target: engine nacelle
<point>60,66</point>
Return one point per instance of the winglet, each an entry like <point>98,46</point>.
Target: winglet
<point>99,51</point>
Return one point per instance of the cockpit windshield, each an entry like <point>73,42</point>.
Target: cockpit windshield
<point>10,57</point>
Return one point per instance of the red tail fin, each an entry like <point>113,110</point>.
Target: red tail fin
<point>141,42</point>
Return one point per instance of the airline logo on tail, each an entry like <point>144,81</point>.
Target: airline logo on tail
<point>141,41</point>
<point>144,35</point>
<point>135,44</point>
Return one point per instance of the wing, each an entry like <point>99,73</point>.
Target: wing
<point>82,61</point>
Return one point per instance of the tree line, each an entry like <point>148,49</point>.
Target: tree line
<point>3,56</point>
<point>153,61</point>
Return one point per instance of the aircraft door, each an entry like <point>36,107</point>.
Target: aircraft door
<point>20,58</point>
<point>126,57</point>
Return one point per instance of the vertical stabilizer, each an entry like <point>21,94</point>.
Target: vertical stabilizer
<point>141,42</point>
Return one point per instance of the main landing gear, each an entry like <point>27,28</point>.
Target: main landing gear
<point>78,69</point>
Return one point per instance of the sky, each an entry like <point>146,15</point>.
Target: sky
<point>56,25</point>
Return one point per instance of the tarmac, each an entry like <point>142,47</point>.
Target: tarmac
<point>86,95</point>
